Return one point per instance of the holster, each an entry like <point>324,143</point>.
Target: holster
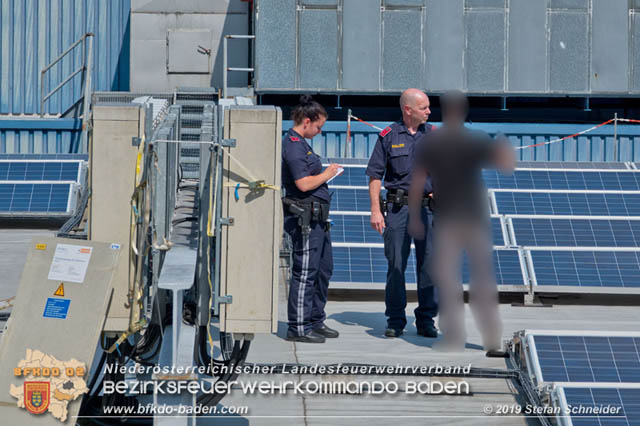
<point>307,212</point>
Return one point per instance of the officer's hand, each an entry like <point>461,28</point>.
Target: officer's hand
<point>377,222</point>
<point>332,170</point>
<point>416,229</point>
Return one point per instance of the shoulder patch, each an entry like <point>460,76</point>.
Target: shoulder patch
<point>385,132</point>
<point>294,139</point>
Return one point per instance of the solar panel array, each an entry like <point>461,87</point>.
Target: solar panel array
<point>40,170</point>
<point>563,203</point>
<point>623,403</point>
<point>577,225</point>
<point>35,185</point>
<point>584,372</point>
<point>368,265</point>
<point>584,359</point>
<point>587,269</point>
<point>570,179</point>
<point>576,232</point>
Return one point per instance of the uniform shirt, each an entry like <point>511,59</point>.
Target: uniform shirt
<point>455,157</point>
<point>298,161</point>
<point>393,156</point>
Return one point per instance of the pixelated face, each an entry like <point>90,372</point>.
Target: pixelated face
<point>420,109</point>
<point>313,128</point>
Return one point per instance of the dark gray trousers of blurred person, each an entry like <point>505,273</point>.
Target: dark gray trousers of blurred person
<point>451,238</point>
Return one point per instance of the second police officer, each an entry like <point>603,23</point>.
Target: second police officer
<point>306,213</point>
<point>392,160</point>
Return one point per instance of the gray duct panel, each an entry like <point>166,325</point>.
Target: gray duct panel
<point>276,49</point>
<point>569,52</point>
<point>361,45</point>
<point>484,3</point>
<point>635,44</point>
<point>527,46</point>
<point>402,51</point>
<point>569,4</point>
<point>484,54</point>
<point>320,2</point>
<point>318,32</point>
<point>413,3</point>
<point>444,45</point>
<point>610,48</point>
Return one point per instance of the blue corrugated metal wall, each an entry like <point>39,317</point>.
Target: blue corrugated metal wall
<point>41,136</point>
<point>597,145</point>
<point>34,32</point>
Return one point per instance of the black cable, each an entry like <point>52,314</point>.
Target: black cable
<point>203,358</point>
<point>236,359</point>
<point>185,219</point>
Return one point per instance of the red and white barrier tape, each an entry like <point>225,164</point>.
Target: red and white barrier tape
<point>590,129</point>
<point>368,124</point>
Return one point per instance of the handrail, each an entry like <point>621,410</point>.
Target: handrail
<point>87,59</point>
<point>225,68</point>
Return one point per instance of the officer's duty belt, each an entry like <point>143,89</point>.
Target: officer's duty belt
<point>399,196</point>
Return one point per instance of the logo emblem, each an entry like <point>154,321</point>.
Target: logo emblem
<point>36,397</point>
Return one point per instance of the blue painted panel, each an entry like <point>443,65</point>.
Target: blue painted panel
<point>597,145</point>
<point>35,32</point>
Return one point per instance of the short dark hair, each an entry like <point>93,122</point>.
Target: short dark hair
<point>307,108</point>
<point>454,102</point>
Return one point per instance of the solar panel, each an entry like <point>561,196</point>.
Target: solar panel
<point>369,265</point>
<point>531,179</point>
<point>610,269</point>
<point>82,157</point>
<point>36,170</point>
<point>580,165</point>
<point>600,359</point>
<point>34,199</point>
<point>576,232</point>
<point>544,179</point>
<point>587,204</point>
<point>352,176</point>
<point>623,403</point>
<point>346,161</point>
<point>357,229</point>
<point>353,229</point>
<point>350,200</point>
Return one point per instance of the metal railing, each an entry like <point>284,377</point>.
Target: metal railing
<point>85,68</point>
<point>226,68</point>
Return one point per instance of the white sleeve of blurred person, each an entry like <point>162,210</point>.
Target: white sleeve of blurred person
<point>504,157</point>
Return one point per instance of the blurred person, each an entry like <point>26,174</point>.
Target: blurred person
<point>454,157</point>
<point>393,159</point>
<point>306,213</point>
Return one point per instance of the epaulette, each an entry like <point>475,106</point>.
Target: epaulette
<point>294,139</point>
<point>385,131</point>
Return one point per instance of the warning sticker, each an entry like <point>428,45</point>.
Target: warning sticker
<point>70,263</point>
<point>56,308</point>
<point>60,290</point>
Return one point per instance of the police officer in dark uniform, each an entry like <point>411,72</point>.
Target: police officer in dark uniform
<point>306,213</point>
<point>392,159</point>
